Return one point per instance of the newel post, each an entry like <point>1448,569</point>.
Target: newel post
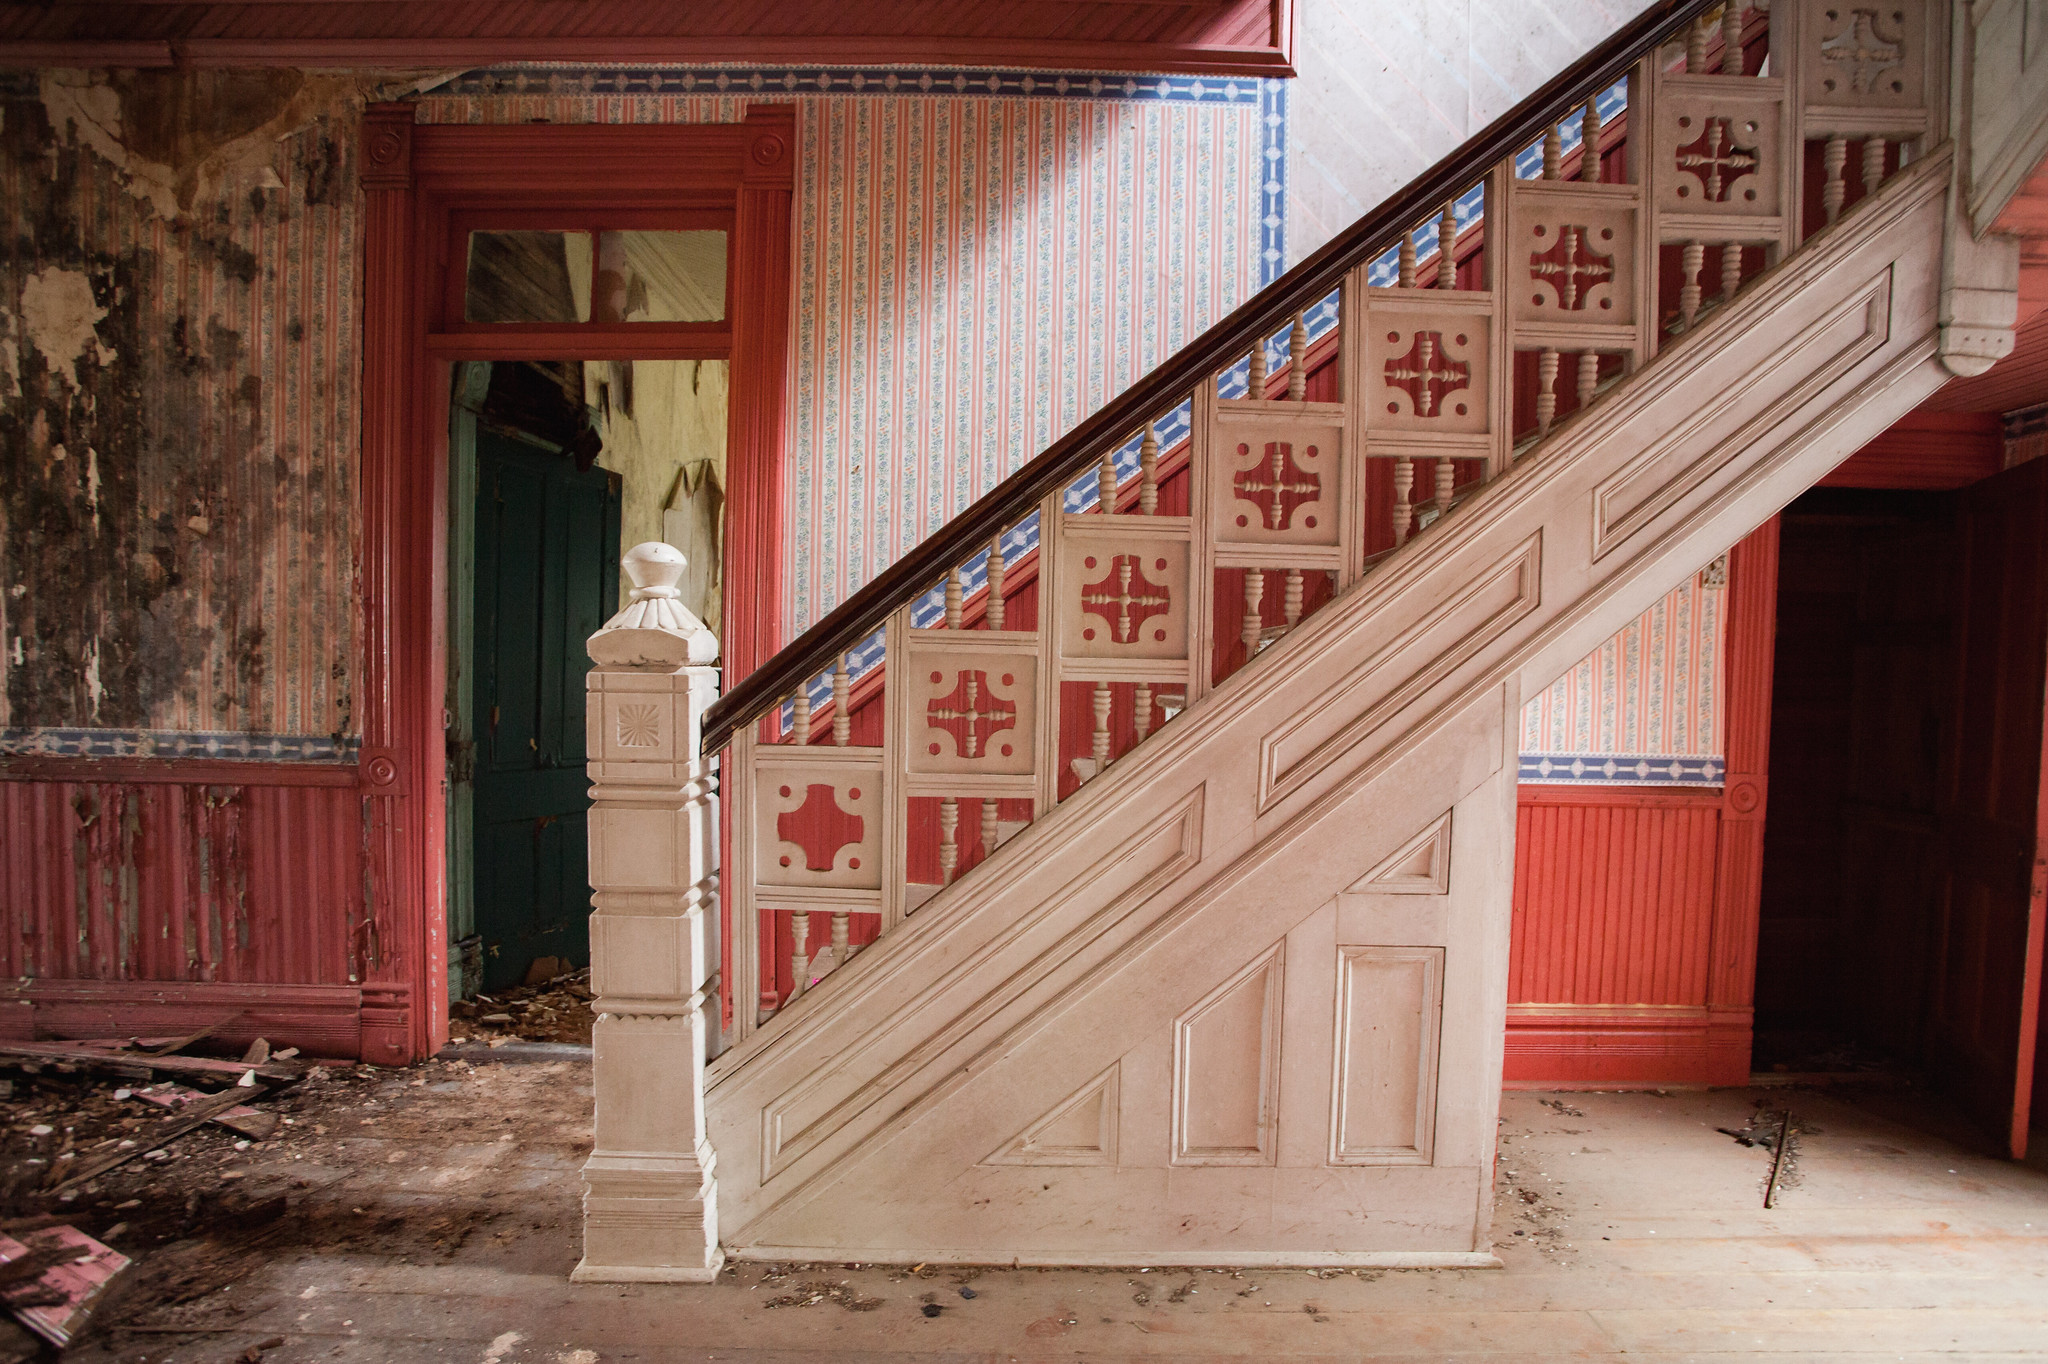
<point>650,1199</point>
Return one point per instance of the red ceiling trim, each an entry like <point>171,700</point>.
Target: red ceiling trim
<point>274,35</point>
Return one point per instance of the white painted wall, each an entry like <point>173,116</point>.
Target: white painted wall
<point>1388,87</point>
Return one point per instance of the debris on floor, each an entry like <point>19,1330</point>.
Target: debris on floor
<point>52,1279</point>
<point>1773,1129</point>
<point>552,1009</point>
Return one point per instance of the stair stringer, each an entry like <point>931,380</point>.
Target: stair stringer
<point>846,1126</point>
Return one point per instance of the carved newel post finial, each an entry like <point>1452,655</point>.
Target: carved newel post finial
<point>655,630</point>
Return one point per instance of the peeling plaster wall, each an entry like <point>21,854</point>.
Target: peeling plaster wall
<point>178,400</point>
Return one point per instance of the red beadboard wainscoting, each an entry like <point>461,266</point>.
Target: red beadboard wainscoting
<point>1634,945</point>
<point>155,896</point>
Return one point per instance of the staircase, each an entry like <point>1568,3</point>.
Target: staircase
<point>1124,878</point>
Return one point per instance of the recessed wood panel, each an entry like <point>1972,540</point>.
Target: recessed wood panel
<point>1226,1071</point>
<point>1383,1092</point>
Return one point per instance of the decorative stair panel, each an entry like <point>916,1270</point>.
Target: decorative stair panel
<point>1161,915</point>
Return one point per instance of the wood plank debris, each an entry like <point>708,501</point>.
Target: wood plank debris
<point>194,1115</point>
<point>97,1056</point>
<point>64,1274</point>
<point>241,1118</point>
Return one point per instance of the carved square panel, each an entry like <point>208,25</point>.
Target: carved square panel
<point>1572,260</point>
<point>1718,153</point>
<point>971,709</point>
<point>1123,587</point>
<point>637,726</point>
<point>1864,56</point>
<point>1428,371</point>
<point>1274,481</point>
<point>818,823</point>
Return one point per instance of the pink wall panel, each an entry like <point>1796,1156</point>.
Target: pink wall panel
<point>1614,899</point>
<point>173,882</point>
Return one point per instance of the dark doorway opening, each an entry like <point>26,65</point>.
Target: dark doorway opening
<point>1860,706</point>
<point>1903,888</point>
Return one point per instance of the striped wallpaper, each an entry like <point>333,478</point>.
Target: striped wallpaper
<point>1643,708</point>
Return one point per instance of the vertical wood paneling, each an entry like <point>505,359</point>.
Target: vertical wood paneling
<point>155,881</point>
<point>1614,896</point>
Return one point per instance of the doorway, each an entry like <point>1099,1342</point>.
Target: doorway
<point>556,468</point>
<point>1900,918</point>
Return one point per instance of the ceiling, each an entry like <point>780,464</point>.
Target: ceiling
<point>1251,37</point>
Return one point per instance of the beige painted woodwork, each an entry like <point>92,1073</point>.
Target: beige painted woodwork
<point>650,1195</point>
<point>1238,999</point>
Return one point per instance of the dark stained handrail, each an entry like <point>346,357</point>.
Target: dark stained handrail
<point>1230,340</point>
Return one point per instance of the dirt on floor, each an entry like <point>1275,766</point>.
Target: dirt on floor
<point>556,1010</point>
<point>204,1212</point>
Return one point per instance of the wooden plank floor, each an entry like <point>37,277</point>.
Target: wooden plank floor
<point>1627,1223</point>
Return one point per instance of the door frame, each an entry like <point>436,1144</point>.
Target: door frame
<point>415,179</point>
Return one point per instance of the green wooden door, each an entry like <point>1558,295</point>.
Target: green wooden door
<point>547,576</point>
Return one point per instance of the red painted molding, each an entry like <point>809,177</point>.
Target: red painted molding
<point>1625,797</point>
<point>320,1020</point>
<point>1225,37</point>
<point>1751,660</point>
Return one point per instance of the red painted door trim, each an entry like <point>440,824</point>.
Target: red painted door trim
<point>414,179</point>
<point>1738,883</point>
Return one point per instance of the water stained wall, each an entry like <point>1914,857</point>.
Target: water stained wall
<point>178,430</point>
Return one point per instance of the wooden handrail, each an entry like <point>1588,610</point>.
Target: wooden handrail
<point>861,614</point>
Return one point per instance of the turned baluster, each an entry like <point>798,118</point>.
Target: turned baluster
<point>1447,247</point>
<point>842,693</point>
<point>1404,481</point>
<point>800,717</point>
<point>956,594</point>
<point>996,568</point>
<point>1731,39</point>
<point>1290,605</point>
<point>1255,383</point>
<point>1546,391</point>
<point>1144,710</point>
<point>1696,40</point>
<point>1589,143</point>
<point>1836,189</point>
<point>1873,164</point>
<point>1589,375</point>
<point>1553,153</point>
<point>988,826</point>
<point>1446,480</point>
<point>1105,484</point>
<point>1148,471</point>
<point>840,950</point>
<point>949,844</point>
<point>800,952</point>
<point>1692,256</point>
<point>1254,616</point>
<point>1297,360</point>
<point>1100,748</point>
<point>1407,275</point>
<point>1731,270</point>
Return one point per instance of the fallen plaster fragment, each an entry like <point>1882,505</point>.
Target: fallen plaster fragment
<point>499,1347</point>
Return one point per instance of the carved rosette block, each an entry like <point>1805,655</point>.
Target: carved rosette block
<point>1123,591</point>
<point>1720,151</point>
<point>818,821</point>
<point>650,1205</point>
<point>973,704</point>
<point>1863,67</point>
<point>1275,480</point>
<point>1571,259</point>
<point>1428,372</point>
